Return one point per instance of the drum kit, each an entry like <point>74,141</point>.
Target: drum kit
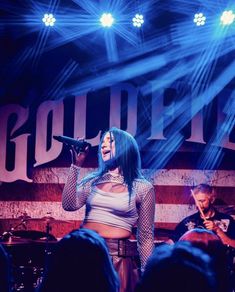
<point>29,251</point>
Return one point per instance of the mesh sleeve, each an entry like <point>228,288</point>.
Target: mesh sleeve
<point>74,195</point>
<point>145,224</point>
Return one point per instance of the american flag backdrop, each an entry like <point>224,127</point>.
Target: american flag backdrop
<point>42,198</point>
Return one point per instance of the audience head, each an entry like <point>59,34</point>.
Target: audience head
<point>210,243</point>
<point>179,267</point>
<point>80,262</point>
<point>204,239</point>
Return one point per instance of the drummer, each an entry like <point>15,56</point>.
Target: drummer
<point>207,217</point>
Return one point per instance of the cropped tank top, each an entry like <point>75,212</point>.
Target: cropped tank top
<point>115,209</point>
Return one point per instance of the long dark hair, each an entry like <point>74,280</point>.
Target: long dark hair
<point>127,158</point>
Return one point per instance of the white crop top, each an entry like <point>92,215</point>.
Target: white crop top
<point>113,209</point>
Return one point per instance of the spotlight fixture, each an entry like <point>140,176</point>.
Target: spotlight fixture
<point>199,19</point>
<point>49,19</point>
<point>138,20</point>
<point>227,17</point>
<point>107,20</point>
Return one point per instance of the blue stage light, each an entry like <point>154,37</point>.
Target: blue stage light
<point>199,19</point>
<point>227,17</point>
<point>107,20</point>
<point>49,19</point>
<point>138,20</point>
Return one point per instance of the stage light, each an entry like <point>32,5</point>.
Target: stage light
<point>138,20</point>
<point>107,19</point>
<point>227,17</point>
<point>49,19</point>
<point>199,19</point>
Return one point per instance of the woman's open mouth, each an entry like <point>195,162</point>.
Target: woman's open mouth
<point>106,152</point>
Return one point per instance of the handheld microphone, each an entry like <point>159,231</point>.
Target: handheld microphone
<point>80,145</point>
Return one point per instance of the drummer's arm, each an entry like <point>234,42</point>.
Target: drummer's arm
<point>224,238</point>
<point>210,225</point>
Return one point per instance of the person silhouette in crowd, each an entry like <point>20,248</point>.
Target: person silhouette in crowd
<point>178,267</point>
<point>209,242</point>
<point>80,262</point>
<point>5,271</point>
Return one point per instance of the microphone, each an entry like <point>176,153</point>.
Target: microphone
<point>80,145</point>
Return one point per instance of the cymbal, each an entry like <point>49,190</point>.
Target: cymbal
<point>15,243</point>
<point>47,219</point>
<point>17,237</point>
<point>23,217</point>
<point>53,220</point>
<point>14,240</point>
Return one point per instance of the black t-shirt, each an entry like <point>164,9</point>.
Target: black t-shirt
<point>225,222</point>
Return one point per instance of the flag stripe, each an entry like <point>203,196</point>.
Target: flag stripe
<point>13,209</point>
<point>177,177</point>
<point>166,216</point>
<point>42,197</point>
<point>52,193</point>
<point>59,229</point>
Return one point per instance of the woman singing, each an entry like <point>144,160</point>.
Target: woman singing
<point>117,198</point>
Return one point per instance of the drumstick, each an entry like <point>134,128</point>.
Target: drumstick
<point>197,204</point>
